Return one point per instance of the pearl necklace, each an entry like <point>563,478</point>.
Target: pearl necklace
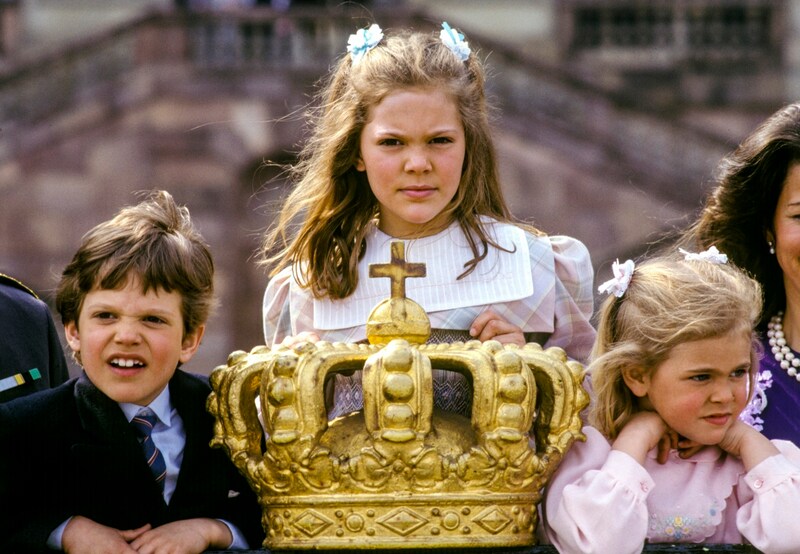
<point>783,354</point>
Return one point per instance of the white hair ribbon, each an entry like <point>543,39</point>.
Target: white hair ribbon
<point>455,42</point>
<point>622,278</point>
<point>364,40</point>
<point>712,255</point>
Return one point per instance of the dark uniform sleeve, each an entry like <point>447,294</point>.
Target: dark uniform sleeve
<point>31,355</point>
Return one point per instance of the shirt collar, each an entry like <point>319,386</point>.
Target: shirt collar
<point>161,406</point>
<point>707,454</point>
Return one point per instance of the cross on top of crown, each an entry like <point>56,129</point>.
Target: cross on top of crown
<point>398,269</point>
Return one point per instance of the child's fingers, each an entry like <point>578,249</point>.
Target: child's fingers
<point>673,439</point>
<point>669,441</point>
<point>664,445</point>
<point>517,338</point>
<point>490,326</point>
<point>131,534</point>
<point>481,321</point>
<point>688,448</point>
<point>304,336</point>
<point>499,331</point>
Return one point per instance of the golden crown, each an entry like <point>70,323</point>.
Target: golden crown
<point>398,474</point>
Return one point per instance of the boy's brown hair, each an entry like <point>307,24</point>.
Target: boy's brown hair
<point>154,241</point>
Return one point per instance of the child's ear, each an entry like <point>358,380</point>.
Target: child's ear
<point>637,379</point>
<point>190,344</point>
<point>73,336</point>
<point>360,164</point>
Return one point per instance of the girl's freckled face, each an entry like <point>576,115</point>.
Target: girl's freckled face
<point>412,149</point>
<point>701,387</point>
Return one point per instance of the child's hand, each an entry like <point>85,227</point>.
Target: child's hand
<point>490,326</point>
<point>304,336</point>
<point>85,535</point>
<point>746,443</point>
<point>644,431</point>
<point>188,536</point>
<point>688,448</point>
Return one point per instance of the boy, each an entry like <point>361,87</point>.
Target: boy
<point>75,472</point>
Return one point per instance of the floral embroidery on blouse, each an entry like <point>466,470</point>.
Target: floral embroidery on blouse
<point>751,413</point>
<point>683,528</point>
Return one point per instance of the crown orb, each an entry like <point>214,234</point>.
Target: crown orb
<point>398,318</point>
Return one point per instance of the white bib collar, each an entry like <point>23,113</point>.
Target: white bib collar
<point>500,277</point>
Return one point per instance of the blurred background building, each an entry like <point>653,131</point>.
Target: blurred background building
<point>611,115</point>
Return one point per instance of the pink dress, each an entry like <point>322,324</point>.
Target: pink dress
<point>601,500</point>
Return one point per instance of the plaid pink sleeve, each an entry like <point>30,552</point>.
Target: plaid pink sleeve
<point>574,298</point>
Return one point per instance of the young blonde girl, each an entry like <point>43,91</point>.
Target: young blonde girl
<point>401,149</point>
<point>666,458</point>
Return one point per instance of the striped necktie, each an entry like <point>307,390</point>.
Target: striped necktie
<point>143,423</point>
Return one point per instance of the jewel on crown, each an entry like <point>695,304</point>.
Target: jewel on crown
<point>398,474</point>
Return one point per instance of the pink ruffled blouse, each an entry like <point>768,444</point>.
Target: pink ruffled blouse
<point>601,500</point>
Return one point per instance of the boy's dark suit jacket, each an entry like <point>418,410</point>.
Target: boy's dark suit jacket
<point>70,451</point>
